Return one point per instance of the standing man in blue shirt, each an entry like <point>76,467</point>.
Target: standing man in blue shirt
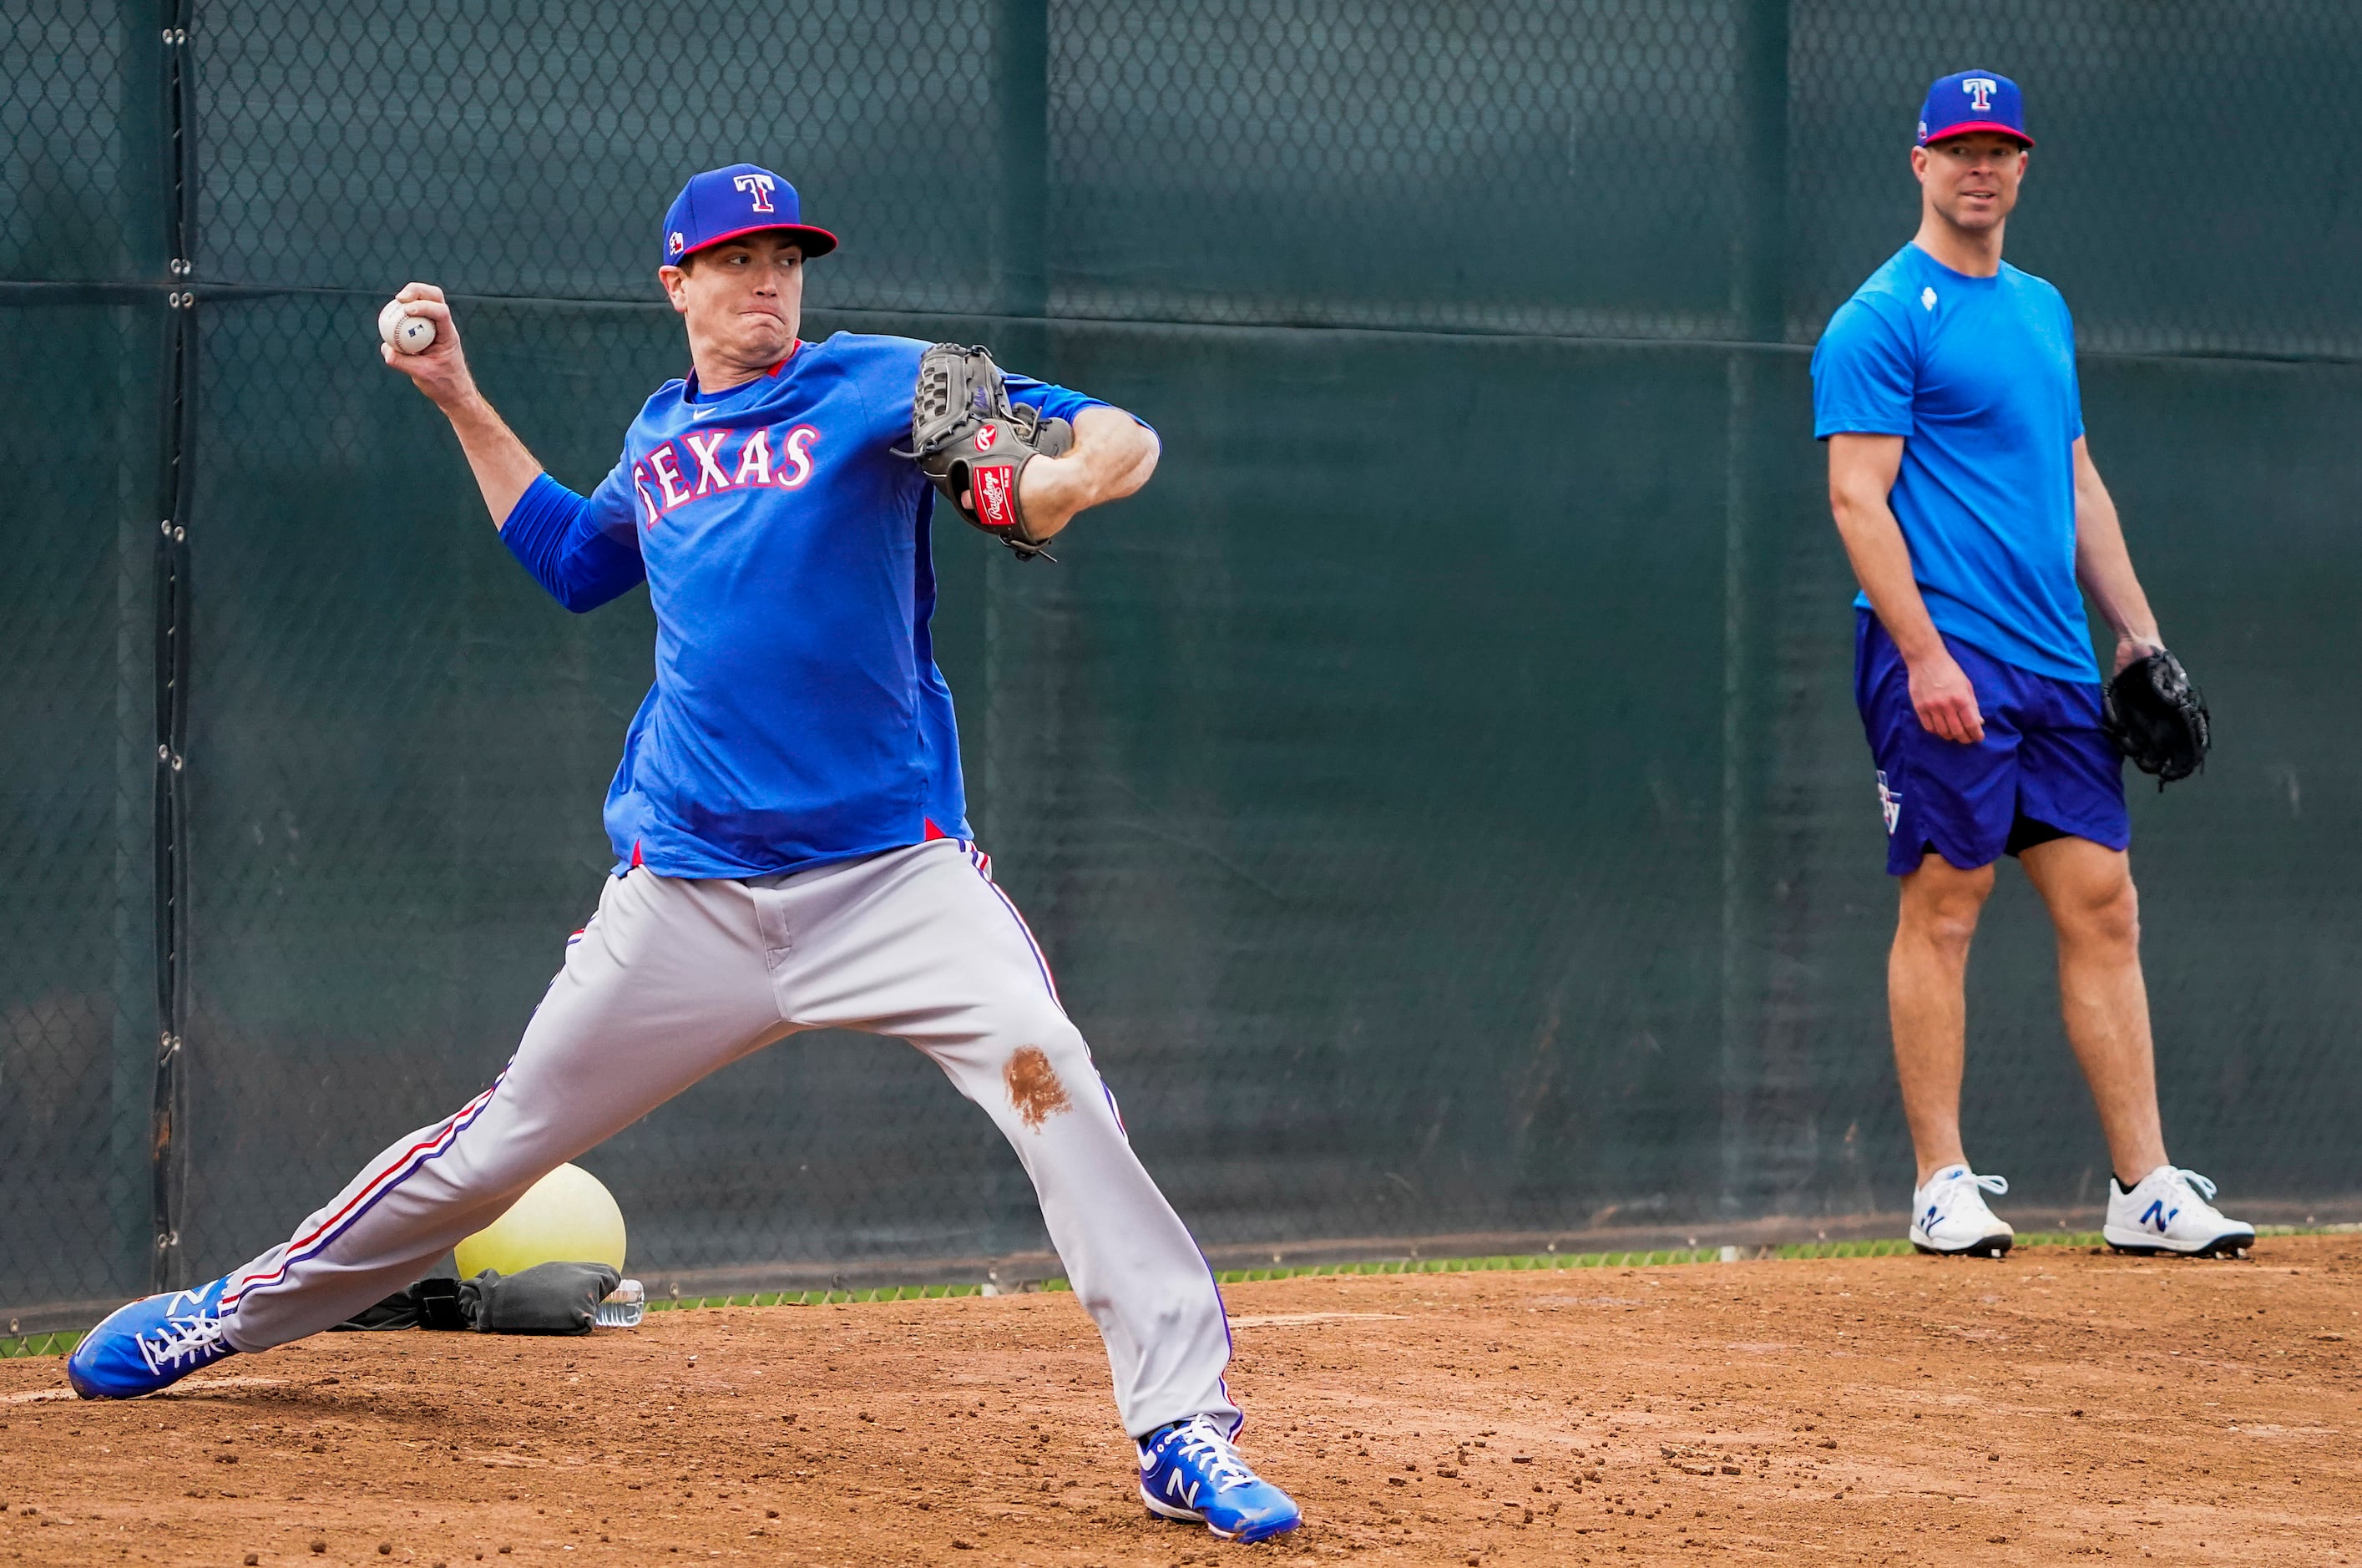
<point>1970,506</point>
<point>790,840</point>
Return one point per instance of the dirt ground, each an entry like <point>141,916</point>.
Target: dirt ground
<point>2053,1406</point>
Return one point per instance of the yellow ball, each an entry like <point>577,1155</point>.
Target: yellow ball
<point>569,1216</point>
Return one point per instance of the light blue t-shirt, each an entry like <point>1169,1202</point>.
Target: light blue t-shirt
<point>1977,376</point>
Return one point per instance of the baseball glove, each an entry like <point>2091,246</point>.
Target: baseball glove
<point>972,443</point>
<point>2157,718</point>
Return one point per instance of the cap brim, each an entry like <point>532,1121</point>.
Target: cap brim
<point>815,241</point>
<point>1965,126</point>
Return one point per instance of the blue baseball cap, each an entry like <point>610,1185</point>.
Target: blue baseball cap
<point>1972,101</point>
<point>730,203</point>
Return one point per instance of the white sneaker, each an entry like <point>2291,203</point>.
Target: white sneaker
<point>1949,1216</point>
<point>2166,1212</point>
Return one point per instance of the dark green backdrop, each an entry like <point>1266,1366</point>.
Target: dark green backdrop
<point>1440,792</point>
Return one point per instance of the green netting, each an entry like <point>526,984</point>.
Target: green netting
<point>1440,792</point>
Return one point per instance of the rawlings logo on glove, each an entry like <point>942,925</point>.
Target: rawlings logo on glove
<point>973,444</point>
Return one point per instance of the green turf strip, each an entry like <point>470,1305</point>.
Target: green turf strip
<point>61,1344</point>
<point>818,1297</point>
<point>39,1344</point>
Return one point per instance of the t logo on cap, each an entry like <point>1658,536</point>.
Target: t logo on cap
<point>759,202</point>
<point>1970,101</point>
<point>759,187</point>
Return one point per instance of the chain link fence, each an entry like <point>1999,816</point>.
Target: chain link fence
<point>1441,791</point>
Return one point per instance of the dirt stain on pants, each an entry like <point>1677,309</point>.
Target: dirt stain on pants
<point>1033,1087</point>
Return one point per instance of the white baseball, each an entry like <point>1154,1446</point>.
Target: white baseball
<point>408,334</point>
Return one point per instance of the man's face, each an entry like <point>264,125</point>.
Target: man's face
<point>1973,180</point>
<point>744,299</point>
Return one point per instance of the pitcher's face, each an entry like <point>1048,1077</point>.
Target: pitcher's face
<point>742,300</point>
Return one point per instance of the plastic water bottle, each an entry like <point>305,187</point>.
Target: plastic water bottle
<point>624,1306</point>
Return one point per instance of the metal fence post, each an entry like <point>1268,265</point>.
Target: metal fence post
<point>144,237</point>
<point>167,1135</point>
<point>1021,94</point>
<point>1021,298</point>
<point>1758,311</point>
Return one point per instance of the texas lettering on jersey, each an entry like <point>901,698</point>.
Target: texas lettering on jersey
<point>797,716</point>
<point>699,463</point>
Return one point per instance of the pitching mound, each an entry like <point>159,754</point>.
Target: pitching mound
<point>2055,1407</point>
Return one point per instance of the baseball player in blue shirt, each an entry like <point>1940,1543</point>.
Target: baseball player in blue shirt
<point>1969,503</point>
<point>790,834</point>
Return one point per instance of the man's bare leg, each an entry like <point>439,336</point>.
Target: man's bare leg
<point>1927,1001</point>
<point>2102,996</point>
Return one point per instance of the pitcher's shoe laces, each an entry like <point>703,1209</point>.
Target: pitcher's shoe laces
<point>179,1340</point>
<point>1216,1454</point>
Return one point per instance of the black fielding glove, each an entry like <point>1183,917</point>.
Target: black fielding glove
<point>2157,718</point>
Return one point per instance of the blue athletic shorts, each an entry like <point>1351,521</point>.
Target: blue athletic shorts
<point>2043,772</point>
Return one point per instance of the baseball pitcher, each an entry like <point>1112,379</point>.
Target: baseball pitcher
<point>789,830</point>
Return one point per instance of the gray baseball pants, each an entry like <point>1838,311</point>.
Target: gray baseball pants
<point>674,979</point>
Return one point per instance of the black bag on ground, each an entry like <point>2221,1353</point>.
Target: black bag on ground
<point>432,1303</point>
<point>548,1299</point>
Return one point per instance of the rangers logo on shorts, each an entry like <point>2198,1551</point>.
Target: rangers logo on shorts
<point>1890,804</point>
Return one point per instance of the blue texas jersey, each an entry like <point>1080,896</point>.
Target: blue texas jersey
<point>798,716</point>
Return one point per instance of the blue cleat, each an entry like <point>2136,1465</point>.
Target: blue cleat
<point>1189,1470</point>
<point>150,1344</point>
